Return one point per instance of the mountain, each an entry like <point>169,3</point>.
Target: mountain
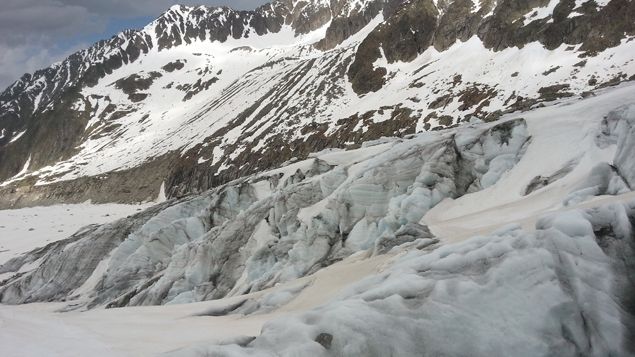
<point>202,96</point>
<point>518,232</point>
<point>327,178</point>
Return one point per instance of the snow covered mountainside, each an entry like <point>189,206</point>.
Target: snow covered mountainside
<point>509,237</point>
<point>202,96</point>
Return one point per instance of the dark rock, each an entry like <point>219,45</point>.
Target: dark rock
<point>409,32</point>
<point>580,64</point>
<point>550,70</point>
<point>406,234</point>
<point>610,83</point>
<point>324,339</point>
<point>194,89</point>
<point>441,102</point>
<point>446,120</point>
<point>174,66</point>
<point>539,182</point>
<point>135,82</point>
<point>474,95</point>
<point>342,27</point>
<point>554,92</point>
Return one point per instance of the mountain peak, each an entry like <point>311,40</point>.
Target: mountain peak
<point>292,77</point>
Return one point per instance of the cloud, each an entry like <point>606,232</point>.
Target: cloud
<point>152,7</point>
<point>17,60</point>
<point>36,33</point>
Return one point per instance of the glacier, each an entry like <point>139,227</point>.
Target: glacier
<point>231,241</point>
<point>565,289</point>
<point>439,246</point>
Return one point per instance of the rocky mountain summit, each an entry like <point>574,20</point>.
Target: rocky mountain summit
<point>202,96</point>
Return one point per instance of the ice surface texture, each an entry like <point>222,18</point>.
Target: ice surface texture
<point>254,232</point>
<point>565,289</point>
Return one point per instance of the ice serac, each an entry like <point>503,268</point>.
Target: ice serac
<point>525,293</point>
<point>269,228</point>
<point>621,126</point>
<point>519,232</point>
<point>192,98</point>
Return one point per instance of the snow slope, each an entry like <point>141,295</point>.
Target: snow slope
<point>562,135</point>
<point>175,125</point>
<point>145,331</point>
<point>209,94</point>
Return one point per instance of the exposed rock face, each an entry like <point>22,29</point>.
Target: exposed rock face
<point>174,66</point>
<point>408,32</point>
<point>136,184</point>
<point>348,21</point>
<point>254,232</point>
<point>539,182</point>
<point>133,84</point>
<point>417,25</point>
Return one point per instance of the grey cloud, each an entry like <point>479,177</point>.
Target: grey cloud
<point>152,7</point>
<point>36,33</point>
<point>45,22</point>
<point>17,60</point>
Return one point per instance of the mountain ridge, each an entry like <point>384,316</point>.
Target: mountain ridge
<point>384,37</point>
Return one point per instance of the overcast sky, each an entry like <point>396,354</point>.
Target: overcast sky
<point>36,33</point>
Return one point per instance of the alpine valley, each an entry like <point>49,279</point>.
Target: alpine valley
<point>327,178</point>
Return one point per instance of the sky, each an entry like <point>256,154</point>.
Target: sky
<point>36,33</point>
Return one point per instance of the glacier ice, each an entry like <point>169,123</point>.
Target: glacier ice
<point>565,289</point>
<point>255,232</point>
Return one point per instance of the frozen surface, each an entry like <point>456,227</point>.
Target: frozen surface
<point>564,289</point>
<point>27,228</point>
<point>244,236</point>
<point>571,137</point>
<point>421,246</point>
<point>147,331</point>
